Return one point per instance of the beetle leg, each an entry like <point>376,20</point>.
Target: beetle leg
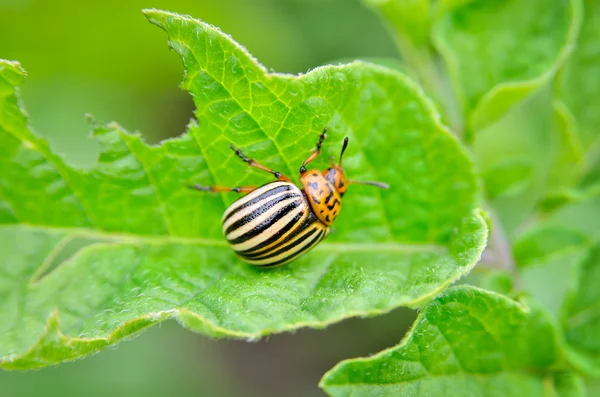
<point>254,164</point>
<point>239,189</point>
<point>316,153</point>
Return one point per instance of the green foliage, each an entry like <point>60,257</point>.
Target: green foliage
<point>581,317</point>
<point>502,58</point>
<point>91,257</point>
<point>498,52</point>
<point>525,75</point>
<point>467,341</point>
<point>115,249</point>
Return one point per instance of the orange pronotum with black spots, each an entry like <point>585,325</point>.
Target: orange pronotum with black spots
<point>277,222</point>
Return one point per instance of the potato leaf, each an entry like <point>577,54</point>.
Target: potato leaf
<point>90,257</point>
<point>581,315</point>
<point>467,342</point>
<point>498,53</point>
<point>578,95</point>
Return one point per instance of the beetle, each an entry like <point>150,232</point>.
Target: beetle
<point>277,222</point>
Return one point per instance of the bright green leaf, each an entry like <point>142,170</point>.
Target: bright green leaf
<point>579,83</point>
<point>467,342</point>
<point>538,244</point>
<point>559,261</point>
<point>570,227</point>
<point>501,58</point>
<point>499,52</point>
<point>92,257</point>
<point>410,21</point>
<point>549,252</point>
<point>569,164</point>
<point>410,27</point>
<point>577,171</point>
<point>581,315</point>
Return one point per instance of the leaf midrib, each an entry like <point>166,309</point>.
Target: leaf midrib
<point>120,237</point>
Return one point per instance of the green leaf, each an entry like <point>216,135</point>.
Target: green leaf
<point>559,261</point>
<point>501,58</point>
<point>569,164</point>
<point>576,174</point>
<point>410,27</point>
<point>92,257</point>
<point>568,384</point>
<point>467,341</point>
<point>581,315</point>
<point>579,82</point>
<point>410,23</point>
<point>499,52</point>
<point>570,227</point>
<point>514,154</point>
<point>549,251</point>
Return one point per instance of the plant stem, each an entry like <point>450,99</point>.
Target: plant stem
<point>498,253</point>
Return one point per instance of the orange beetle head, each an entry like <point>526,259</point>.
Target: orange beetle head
<point>335,174</point>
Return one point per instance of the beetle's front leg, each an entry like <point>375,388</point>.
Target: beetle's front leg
<point>316,153</point>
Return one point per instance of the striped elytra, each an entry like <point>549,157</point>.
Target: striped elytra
<point>272,225</point>
<point>278,222</point>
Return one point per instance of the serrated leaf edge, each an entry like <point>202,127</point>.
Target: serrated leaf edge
<point>216,331</point>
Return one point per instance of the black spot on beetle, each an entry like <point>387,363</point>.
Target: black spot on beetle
<point>330,196</point>
<point>315,174</point>
<point>327,218</point>
<point>340,184</point>
<point>315,199</point>
<point>335,202</point>
<point>313,185</point>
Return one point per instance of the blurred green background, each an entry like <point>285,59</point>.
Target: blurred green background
<point>105,59</point>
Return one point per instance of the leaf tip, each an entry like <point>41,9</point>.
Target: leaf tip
<point>12,71</point>
<point>157,17</point>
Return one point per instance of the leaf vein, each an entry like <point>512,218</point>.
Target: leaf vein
<point>59,167</point>
<point>161,202</point>
<point>247,111</point>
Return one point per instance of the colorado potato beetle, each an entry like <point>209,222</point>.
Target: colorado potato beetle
<point>276,223</point>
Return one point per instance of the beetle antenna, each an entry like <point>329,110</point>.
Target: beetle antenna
<point>371,183</point>
<point>344,146</point>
